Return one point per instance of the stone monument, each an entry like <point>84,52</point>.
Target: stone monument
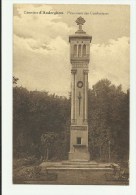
<point>79,58</point>
<point>78,163</point>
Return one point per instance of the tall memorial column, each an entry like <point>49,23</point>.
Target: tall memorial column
<point>79,58</point>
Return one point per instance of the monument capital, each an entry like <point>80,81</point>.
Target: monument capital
<point>85,71</point>
<point>73,71</point>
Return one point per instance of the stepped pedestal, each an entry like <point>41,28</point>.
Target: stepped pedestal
<point>65,165</point>
<point>77,172</point>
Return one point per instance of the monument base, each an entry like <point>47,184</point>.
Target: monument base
<point>79,172</point>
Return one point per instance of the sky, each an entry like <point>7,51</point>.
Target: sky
<point>41,58</point>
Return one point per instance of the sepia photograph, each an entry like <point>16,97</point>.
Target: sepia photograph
<point>71,94</point>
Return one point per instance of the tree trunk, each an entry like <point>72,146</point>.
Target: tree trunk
<point>47,155</point>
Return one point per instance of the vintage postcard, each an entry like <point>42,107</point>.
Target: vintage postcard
<point>71,94</point>
<point>71,116</point>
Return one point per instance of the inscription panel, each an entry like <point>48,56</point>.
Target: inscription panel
<point>79,128</point>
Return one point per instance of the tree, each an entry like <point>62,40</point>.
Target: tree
<point>47,141</point>
<point>108,120</point>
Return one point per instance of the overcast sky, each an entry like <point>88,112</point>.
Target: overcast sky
<point>41,47</point>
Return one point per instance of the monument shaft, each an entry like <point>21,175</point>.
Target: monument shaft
<point>79,58</point>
